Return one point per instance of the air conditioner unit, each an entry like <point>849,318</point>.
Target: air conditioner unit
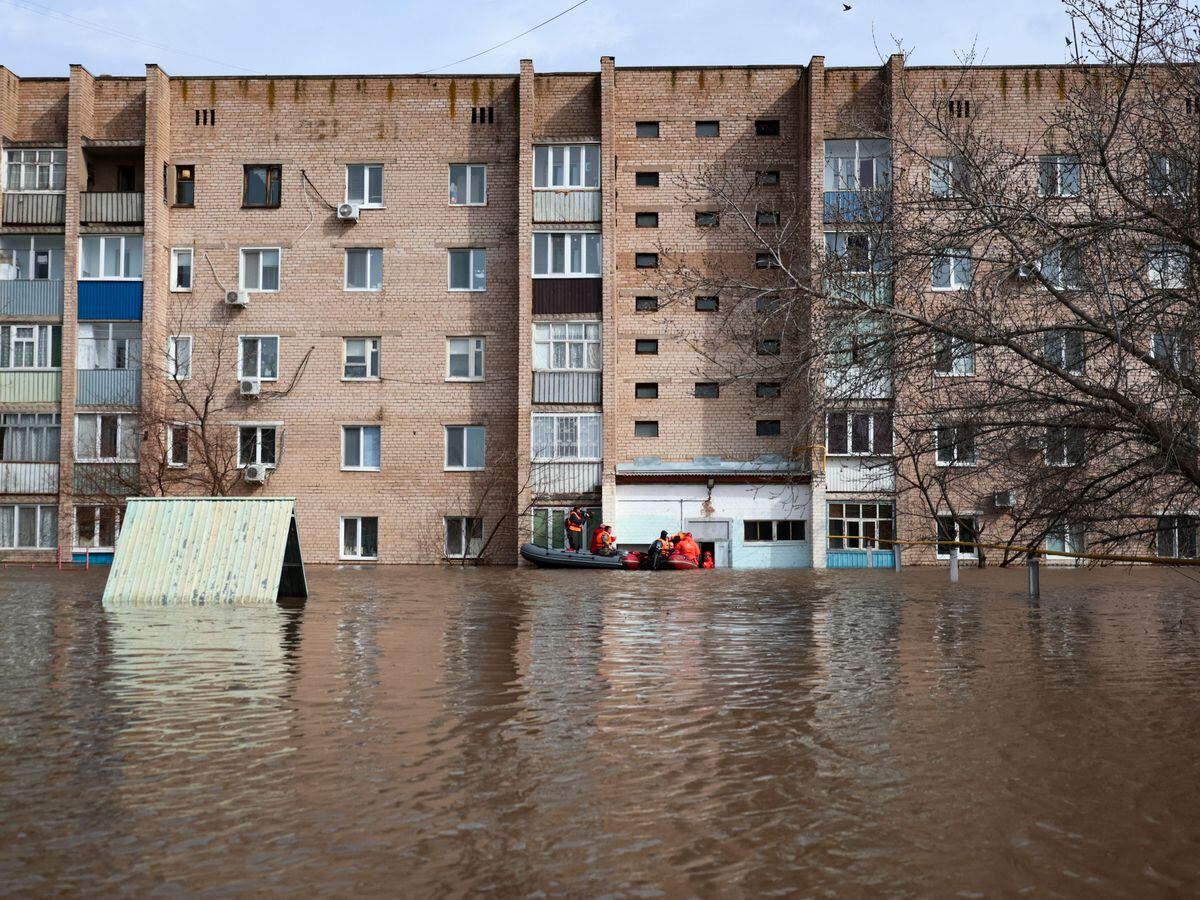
<point>256,473</point>
<point>237,298</point>
<point>1004,499</point>
<point>348,212</point>
<point>251,387</point>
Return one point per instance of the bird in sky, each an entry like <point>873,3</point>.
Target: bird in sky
<point>846,7</point>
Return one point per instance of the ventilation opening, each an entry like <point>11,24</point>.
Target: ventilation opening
<point>959,109</point>
<point>482,115</point>
<point>206,117</point>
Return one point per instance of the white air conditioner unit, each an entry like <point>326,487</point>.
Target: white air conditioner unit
<point>256,473</point>
<point>348,212</point>
<point>237,298</point>
<point>1004,499</point>
<point>251,387</point>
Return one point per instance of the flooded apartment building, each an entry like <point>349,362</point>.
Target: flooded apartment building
<point>432,309</point>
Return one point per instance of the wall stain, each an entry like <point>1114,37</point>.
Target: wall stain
<point>1037,80</point>
<point>1062,84</point>
<point>212,93</point>
<point>1003,85</point>
<point>271,94</point>
<point>1025,84</point>
<point>391,91</point>
<point>183,88</point>
<point>332,90</point>
<point>700,80</point>
<point>475,92</point>
<point>453,98</point>
<point>674,78</point>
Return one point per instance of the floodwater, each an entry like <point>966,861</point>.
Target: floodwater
<point>418,732</point>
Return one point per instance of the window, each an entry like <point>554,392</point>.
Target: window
<point>707,390</point>
<point>108,345</point>
<point>1175,537</point>
<point>562,166</point>
<point>177,446</point>
<point>707,304</point>
<point>179,357</point>
<point>256,445</point>
<point>646,390</point>
<point>952,270</point>
<point>948,176</point>
<point>360,358</point>
<point>116,256</point>
<point>103,437</point>
<point>859,433</point>
<point>646,129</point>
<point>766,260</point>
<point>258,357</point>
<point>1064,445</point>
<point>1176,350</point>
<point>185,185</point>
<point>1167,268</point>
<point>468,185</point>
<point>769,347</point>
<point>767,179</point>
<point>259,270</point>
<point>766,127</point>
<point>28,527</point>
<point>31,257</point>
<point>645,220</point>
<point>466,447</point>
<point>646,260</point>
<point>260,185</point>
<point>953,356</point>
<point>708,129</point>
<point>1168,176</point>
<point>860,526</point>
<point>566,345</point>
<point>760,531</point>
<point>181,269</point>
<point>1058,176</point>
<point>764,219</point>
<point>566,436</point>
<point>574,254</point>
<point>645,179</point>
<point>1069,538</point>
<point>645,347</point>
<point>36,170</point>
<point>1062,268</point>
<point>97,527</point>
<point>858,253</point>
<point>1065,350</point>
<point>767,428</point>
<point>360,448</point>
<point>963,529</point>
<point>360,537</point>
<point>767,390</point>
<point>464,537</point>
<point>468,269</point>
<point>955,445</point>
<point>645,429</point>
<point>29,437</point>
<point>549,528</point>
<point>364,269</point>
<point>30,346</point>
<point>708,219</point>
<point>645,304</point>
<point>857,165</point>
<point>364,185</point>
<point>465,355</point>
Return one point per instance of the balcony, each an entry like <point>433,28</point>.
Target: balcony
<point>566,206</point>
<point>108,387</point>
<point>859,474</point>
<point>858,383</point>
<point>34,208</point>
<point>857,206</point>
<point>31,387</point>
<point>566,479</point>
<point>28,478</point>
<point>568,295</point>
<point>107,479</point>
<point>111,207</point>
<point>117,301</point>
<point>31,298</point>
<point>567,387</point>
<point>865,288</point>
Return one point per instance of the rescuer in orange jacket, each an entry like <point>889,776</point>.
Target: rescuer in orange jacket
<point>574,527</point>
<point>707,562</point>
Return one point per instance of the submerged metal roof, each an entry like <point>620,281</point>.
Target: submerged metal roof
<point>206,550</point>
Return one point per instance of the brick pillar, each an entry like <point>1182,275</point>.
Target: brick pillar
<point>812,170</point>
<point>608,270</point>
<point>524,300</point>
<point>10,98</point>
<point>157,244</point>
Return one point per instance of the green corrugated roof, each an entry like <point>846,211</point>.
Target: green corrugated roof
<point>203,550</point>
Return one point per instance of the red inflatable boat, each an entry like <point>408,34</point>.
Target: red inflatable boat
<point>639,559</point>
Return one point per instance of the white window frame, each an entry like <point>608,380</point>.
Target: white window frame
<point>358,555</point>
<point>241,373</point>
<point>242,251</point>
<point>174,342</point>
<point>176,252</point>
<point>446,448</point>
<point>962,356</point>
<point>461,523</point>
<point>1056,255</point>
<point>33,250</point>
<point>1179,522</point>
<point>1177,350</point>
<point>259,428</point>
<point>371,348</point>
<point>107,347</point>
<point>953,174</point>
<point>127,424</point>
<point>877,258</point>
<point>568,271</point>
<point>567,184</point>
<point>58,158</point>
<point>39,433</point>
<point>1055,164</point>
<point>587,343</point>
<point>1066,538</point>
<point>1167,267</point>
<point>77,546</point>
<point>370,251</point>
<point>365,203</point>
<point>472,174</point>
<point>873,416</point>
<point>478,346</point>
<point>105,276</point>
<point>1174,183</point>
<point>1070,440</point>
<point>555,454</point>
<point>172,462</point>
<point>362,429</point>
<point>19,510</point>
<point>1058,355</point>
<point>957,461</point>
<point>951,257</point>
<point>963,552</point>
<point>471,268</point>
<point>835,178</point>
<point>38,342</point>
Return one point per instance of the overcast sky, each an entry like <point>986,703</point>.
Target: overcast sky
<point>353,36</point>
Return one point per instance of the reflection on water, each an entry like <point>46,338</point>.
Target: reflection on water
<point>432,732</point>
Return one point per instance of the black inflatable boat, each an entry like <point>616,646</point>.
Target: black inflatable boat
<point>565,559</point>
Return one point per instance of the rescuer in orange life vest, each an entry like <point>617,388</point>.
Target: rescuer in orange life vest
<point>688,547</point>
<point>708,560</point>
<point>604,542</point>
<point>574,527</point>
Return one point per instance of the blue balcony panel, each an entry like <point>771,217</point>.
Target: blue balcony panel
<point>116,301</point>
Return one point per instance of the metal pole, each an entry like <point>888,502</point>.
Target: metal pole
<point>954,564</point>
<point>1035,577</point>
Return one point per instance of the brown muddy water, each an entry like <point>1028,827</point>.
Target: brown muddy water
<point>421,732</point>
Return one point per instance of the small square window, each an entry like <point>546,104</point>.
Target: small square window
<point>707,390</point>
<point>360,359</point>
<point>645,219</point>
<point>181,269</point>
<point>646,129</point>
<point>360,448</point>
<point>364,185</point>
<point>768,179</point>
<point>645,429</point>
<point>177,446</point>
<point>364,269</point>
<point>708,129</point>
<point>260,185</point>
<point>768,347</point>
<point>767,428</point>
<point>645,347</point>
<point>766,219</point>
<point>468,185</point>
<point>646,260</point>
<point>766,127</point>
<point>645,179</point>
<point>767,390</point>
<point>708,219</point>
<point>360,537</point>
<point>185,185</point>
<point>646,390</point>
<point>468,269</point>
<point>707,304</point>
<point>645,304</point>
<point>766,261</point>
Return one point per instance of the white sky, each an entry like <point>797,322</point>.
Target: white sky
<point>354,36</point>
